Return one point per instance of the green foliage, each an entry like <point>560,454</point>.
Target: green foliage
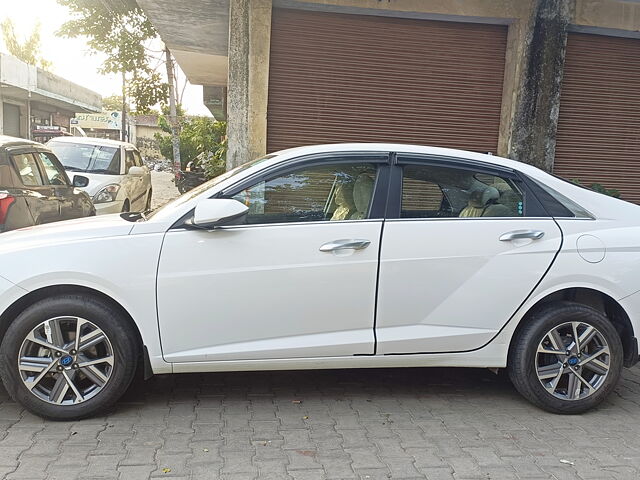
<point>202,139</point>
<point>120,31</point>
<point>598,187</point>
<point>113,102</point>
<point>27,50</point>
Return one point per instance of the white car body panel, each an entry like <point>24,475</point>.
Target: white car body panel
<point>121,260</point>
<point>285,298</point>
<point>450,284</point>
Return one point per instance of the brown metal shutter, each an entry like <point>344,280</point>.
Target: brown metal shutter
<point>598,139</point>
<point>356,78</point>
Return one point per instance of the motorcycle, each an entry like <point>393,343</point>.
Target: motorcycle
<point>189,178</point>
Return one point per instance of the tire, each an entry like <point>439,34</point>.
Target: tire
<point>123,352</point>
<point>126,207</point>
<point>549,380</point>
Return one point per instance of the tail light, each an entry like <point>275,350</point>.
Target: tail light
<point>6,201</point>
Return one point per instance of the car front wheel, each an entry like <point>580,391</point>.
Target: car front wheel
<point>566,358</point>
<point>68,357</point>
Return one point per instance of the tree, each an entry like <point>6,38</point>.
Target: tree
<point>202,139</point>
<point>27,50</point>
<point>112,102</point>
<point>122,32</point>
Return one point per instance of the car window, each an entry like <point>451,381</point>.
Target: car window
<point>137,159</point>
<point>328,192</point>
<point>54,173</point>
<point>28,169</point>
<point>130,161</point>
<point>88,158</point>
<point>437,192</point>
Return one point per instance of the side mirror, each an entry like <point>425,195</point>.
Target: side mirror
<point>215,212</point>
<point>80,181</point>
<point>136,171</point>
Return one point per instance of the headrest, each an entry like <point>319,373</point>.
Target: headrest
<point>362,192</point>
<point>482,198</point>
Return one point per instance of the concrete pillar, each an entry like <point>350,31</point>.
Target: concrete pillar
<point>1,116</point>
<point>247,91</point>
<point>532,131</point>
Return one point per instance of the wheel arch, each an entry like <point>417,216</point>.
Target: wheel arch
<point>9,315</point>
<point>600,301</point>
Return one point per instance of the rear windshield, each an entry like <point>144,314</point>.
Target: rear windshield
<point>87,158</point>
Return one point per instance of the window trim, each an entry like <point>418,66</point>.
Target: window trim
<point>532,206</point>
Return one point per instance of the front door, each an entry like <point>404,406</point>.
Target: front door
<point>297,279</point>
<point>466,248</point>
<point>57,179</point>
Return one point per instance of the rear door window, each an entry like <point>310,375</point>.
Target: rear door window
<point>130,161</point>
<point>28,170</point>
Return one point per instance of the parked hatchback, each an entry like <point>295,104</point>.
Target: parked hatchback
<point>118,180</point>
<point>34,187</point>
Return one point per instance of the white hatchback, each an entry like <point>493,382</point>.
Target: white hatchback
<point>338,256</point>
<point>118,180</point>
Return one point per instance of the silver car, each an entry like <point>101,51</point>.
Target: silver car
<point>118,179</point>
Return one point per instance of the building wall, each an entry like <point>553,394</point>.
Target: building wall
<point>250,41</point>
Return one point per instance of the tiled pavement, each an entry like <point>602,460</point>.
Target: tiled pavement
<point>369,424</point>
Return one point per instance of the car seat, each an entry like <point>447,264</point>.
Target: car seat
<point>344,200</point>
<point>362,193</point>
<point>479,201</point>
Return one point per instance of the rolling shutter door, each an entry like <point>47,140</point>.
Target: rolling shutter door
<point>356,78</point>
<point>598,139</point>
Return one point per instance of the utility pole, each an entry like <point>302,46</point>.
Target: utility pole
<point>173,114</point>
<point>123,132</point>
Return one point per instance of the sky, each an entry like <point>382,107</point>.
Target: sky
<point>71,58</point>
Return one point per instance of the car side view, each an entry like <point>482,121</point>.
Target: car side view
<point>331,256</point>
<point>34,188</point>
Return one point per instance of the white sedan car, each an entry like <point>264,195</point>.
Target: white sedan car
<point>118,179</point>
<point>339,256</point>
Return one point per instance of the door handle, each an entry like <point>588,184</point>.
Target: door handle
<point>355,244</point>
<point>520,234</point>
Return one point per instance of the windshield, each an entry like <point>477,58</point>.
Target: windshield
<point>207,185</point>
<point>87,158</point>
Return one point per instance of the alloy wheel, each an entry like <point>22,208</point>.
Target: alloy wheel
<point>573,360</point>
<point>66,360</point>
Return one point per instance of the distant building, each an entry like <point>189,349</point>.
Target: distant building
<point>38,104</point>
<point>143,131</point>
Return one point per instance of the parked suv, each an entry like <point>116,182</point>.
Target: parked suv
<point>34,187</point>
<point>118,180</point>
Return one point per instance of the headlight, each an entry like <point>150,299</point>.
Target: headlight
<point>107,194</point>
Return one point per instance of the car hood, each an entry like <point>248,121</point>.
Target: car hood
<point>97,181</point>
<point>68,231</point>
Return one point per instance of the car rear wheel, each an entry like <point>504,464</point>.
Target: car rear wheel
<point>68,357</point>
<point>566,359</point>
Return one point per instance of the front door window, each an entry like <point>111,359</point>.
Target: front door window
<point>323,193</point>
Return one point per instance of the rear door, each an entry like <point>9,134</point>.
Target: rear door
<point>41,197</point>
<point>462,249</point>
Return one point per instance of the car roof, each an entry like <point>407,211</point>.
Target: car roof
<point>6,141</point>
<point>103,142</point>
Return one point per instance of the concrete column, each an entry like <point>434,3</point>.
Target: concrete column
<point>531,134</point>
<point>1,116</point>
<point>249,43</point>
